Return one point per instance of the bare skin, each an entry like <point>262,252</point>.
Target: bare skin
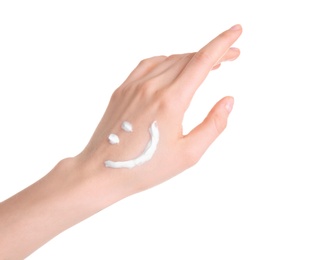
<point>158,89</point>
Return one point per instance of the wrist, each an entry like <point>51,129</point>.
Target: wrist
<point>93,185</point>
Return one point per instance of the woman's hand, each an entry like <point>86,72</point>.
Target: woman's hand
<point>160,89</point>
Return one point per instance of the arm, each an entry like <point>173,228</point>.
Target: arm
<point>159,89</point>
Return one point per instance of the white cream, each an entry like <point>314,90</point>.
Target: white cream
<point>126,126</point>
<point>113,139</point>
<point>146,154</point>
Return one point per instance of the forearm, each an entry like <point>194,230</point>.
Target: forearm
<point>61,199</point>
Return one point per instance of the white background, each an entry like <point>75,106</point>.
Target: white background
<point>252,194</point>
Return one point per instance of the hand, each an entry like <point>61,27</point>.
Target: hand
<point>160,89</point>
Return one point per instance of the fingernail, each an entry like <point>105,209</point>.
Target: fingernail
<point>235,27</point>
<point>229,105</point>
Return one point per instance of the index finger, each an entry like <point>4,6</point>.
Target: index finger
<point>202,62</point>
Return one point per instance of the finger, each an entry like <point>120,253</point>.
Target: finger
<point>202,62</point>
<point>167,72</point>
<point>231,55</point>
<point>174,64</point>
<point>203,135</point>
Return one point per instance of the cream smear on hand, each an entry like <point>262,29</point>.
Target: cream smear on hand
<point>126,126</point>
<point>146,154</point>
<point>113,139</point>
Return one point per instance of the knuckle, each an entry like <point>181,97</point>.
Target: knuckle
<point>149,62</point>
<point>203,57</point>
<point>174,57</point>
<point>145,62</point>
<point>146,89</point>
<point>116,94</point>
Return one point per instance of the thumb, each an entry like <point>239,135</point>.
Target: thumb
<point>203,135</point>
